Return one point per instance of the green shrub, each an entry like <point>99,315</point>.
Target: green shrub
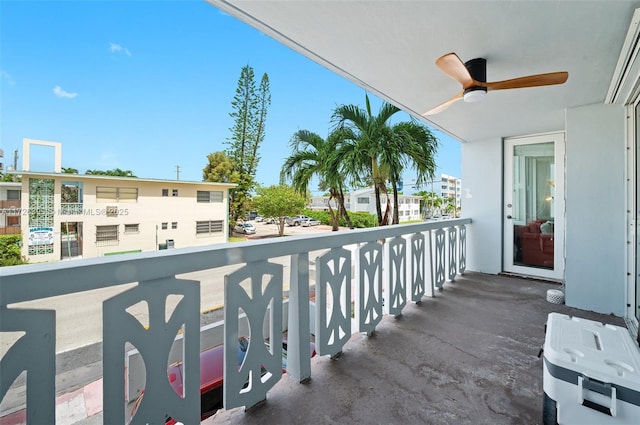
<point>359,220</point>
<point>322,216</point>
<point>10,250</point>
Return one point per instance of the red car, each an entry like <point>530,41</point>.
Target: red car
<point>212,377</point>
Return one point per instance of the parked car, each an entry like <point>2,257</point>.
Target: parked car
<point>259,218</point>
<point>251,215</point>
<point>296,220</point>
<point>309,222</point>
<point>246,228</point>
<point>212,376</point>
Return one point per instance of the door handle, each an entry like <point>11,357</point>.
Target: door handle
<point>509,217</point>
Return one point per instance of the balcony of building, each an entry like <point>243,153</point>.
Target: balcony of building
<point>403,333</point>
<point>10,213</point>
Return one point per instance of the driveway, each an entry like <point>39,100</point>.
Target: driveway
<point>264,230</point>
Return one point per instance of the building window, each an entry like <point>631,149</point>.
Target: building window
<point>13,195</point>
<point>175,192</point>
<point>208,227</point>
<point>363,200</point>
<point>174,224</point>
<point>165,192</point>
<point>165,226</point>
<point>107,235</point>
<point>117,194</point>
<point>132,228</point>
<point>209,196</point>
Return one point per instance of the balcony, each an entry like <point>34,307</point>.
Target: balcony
<point>11,230</point>
<point>71,208</point>
<point>13,206</point>
<point>389,351</point>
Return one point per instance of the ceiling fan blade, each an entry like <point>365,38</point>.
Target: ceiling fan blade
<point>444,105</point>
<point>537,80</point>
<point>451,65</point>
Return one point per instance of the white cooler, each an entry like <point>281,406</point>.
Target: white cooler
<point>591,373</point>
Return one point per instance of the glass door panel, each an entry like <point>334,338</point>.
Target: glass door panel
<point>533,196</point>
<point>534,206</point>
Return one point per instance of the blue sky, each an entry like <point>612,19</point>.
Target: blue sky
<point>148,85</point>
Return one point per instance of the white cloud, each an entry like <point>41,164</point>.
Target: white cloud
<point>57,90</point>
<point>115,48</point>
<point>6,77</point>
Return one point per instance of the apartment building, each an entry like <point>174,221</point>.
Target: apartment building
<point>451,188</point>
<point>321,203</point>
<point>365,200</point>
<point>72,215</point>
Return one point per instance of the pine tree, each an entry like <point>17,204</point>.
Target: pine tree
<point>249,114</point>
<point>263,101</point>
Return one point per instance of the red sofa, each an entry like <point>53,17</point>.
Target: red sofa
<point>536,247</point>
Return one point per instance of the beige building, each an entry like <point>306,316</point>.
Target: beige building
<point>9,208</point>
<point>70,215</point>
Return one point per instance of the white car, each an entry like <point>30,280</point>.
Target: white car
<point>308,222</point>
<point>246,228</point>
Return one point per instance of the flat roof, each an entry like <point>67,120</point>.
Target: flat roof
<point>118,178</point>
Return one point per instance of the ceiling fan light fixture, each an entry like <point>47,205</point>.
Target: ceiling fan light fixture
<point>475,94</point>
<point>472,75</point>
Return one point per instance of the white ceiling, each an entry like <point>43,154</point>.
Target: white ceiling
<point>389,48</point>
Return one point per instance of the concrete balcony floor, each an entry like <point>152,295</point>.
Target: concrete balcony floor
<point>467,356</point>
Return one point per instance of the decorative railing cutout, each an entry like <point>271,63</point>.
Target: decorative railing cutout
<point>252,367</point>
<point>160,400</point>
<point>333,313</point>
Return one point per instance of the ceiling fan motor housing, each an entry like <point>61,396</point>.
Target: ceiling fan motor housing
<point>478,70</point>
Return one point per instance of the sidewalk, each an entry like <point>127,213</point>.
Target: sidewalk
<point>83,405</point>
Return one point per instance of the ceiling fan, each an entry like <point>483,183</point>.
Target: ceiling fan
<point>473,77</point>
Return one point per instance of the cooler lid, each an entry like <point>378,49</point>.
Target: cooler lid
<point>600,351</point>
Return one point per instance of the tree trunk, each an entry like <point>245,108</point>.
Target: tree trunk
<point>343,210</point>
<point>335,215</point>
<point>387,212</point>
<point>396,216</point>
<point>384,221</point>
<point>376,190</point>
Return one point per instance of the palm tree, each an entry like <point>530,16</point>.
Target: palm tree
<point>430,201</point>
<point>314,156</point>
<point>362,153</point>
<point>379,152</point>
<point>408,144</point>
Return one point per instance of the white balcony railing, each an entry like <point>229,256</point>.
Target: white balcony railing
<point>71,208</point>
<point>391,266</point>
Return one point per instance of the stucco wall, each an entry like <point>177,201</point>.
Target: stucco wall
<point>149,212</point>
<point>482,201</point>
<point>595,209</point>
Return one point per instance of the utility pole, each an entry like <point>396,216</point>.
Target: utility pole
<point>177,172</point>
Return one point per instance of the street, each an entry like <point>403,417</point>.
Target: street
<point>79,315</point>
